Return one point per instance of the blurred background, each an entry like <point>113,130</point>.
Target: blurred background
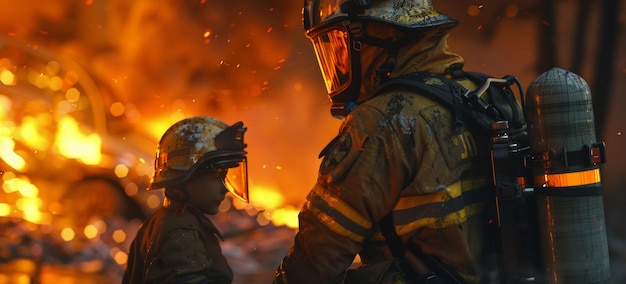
<point>88,87</point>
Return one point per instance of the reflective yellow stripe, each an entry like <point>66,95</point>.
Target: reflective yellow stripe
<point>434,222</point>
<point>335,226</point>
<point>452,191</point>
<point>419,223</point>
<point>475,208</point>
<point>414,201</point>
<point>343,208</point>
<point>569,179</point>
<point>454,218</point>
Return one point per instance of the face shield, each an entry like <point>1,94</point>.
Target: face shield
<point>231,166</point>
<point>333,55</point>
<point>235,177</point>
<point>327,28</point>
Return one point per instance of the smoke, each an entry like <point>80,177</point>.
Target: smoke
<point>164,60</point>
<point>235,60</point>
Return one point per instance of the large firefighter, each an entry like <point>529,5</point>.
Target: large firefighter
<point>427,159</point>
<point>402,159</point>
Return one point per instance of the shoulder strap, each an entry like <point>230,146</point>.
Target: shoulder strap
<point>467,104</point>
<point>439,272</point>
<point>396,246</point>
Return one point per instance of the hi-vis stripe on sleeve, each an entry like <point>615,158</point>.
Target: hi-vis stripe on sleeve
<point>440,209</point>
<point>338,216</point>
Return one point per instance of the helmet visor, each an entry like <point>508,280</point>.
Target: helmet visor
<point>236,177</point>
<point>332,48</point>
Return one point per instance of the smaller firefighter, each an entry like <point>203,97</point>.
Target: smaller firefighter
<point>198,160</point>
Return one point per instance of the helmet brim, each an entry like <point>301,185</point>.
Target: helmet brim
<point>212,161</point>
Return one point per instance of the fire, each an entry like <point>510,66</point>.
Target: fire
<point>119,236</point>
<point>5,209</point>
<point>7,77</point>
<point>72,143</point>
<point>287,216</point>
<point>9,156</point>
<point>119,256</point>
<point>67,234</point>
<point>266,197</point>
<point>26,200</point>
<point>267,204</point>
<point>31,133</point>
<point>49,116</point>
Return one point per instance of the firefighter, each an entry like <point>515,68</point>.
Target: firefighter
<point>198,160</point>
<point>403,184</point>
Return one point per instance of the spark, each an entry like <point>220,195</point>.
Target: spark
<point>474,10</point>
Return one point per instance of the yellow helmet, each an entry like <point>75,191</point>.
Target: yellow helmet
<point>198,145</point>
<point>403,13</point>
<point>337,31</point>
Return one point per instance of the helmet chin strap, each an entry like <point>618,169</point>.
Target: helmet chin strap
<point>383,73</point>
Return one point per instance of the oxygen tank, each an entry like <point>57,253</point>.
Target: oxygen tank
<point>565,159</point>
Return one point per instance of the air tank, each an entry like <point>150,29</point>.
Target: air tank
<point>565,158</point>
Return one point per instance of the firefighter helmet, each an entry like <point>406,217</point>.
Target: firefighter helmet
<point>201,144</point>
<point>336,29</point>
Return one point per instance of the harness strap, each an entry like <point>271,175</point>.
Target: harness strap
<point>466,104</point>
<point>439,272</point>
